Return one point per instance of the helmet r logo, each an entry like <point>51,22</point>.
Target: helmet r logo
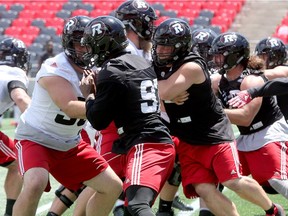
<point>97,30</point>
<point>229,38</point>
<point>202,36</point>
<point>177,29</point>
<point>140,5</point>
<point>273,42</point>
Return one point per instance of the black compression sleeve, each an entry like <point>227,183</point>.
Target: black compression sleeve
<point>15,84</point>
<point>277,86</point>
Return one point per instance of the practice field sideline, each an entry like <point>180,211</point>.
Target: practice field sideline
<point>244,207</point>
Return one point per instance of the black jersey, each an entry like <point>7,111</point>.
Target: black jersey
<point>201,120</point>
<point>127,93</point>
<point>269,111</point>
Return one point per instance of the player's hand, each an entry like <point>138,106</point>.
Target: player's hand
<point>180,99</point>
<point>87,85</point>
<point>242,98</point>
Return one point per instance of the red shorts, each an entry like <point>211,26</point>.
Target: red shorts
<point>268,162</point>
<point>85,136</point>
<point>7,154</point>
<point>70,168</point>
<point>207,164</point>
<point>149,164</point>
<point>104,143</point>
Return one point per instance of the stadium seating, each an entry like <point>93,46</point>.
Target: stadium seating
<point>281,30</point>
<point>36,21</point>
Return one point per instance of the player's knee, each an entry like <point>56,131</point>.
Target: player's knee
<point>205,189</point>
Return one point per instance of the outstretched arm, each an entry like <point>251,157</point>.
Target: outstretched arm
<point>277,86</point>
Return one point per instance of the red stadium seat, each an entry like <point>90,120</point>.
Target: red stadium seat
<point>231,6</point>
<point>31,30</point>
<point>27,14</point>
<point>284,21</point>
<point>34,6</point>
<point>189,13</point>
<point>13,31</point>
<point>177,6</point>
<point>192,5</point>
<point>104,5</point>
<point>223,22</point>
<point>80,12</point>
<point>21,22</point>
<point>160,20</point>
<point>210,5</point>
<point>45,14</point>
<point>226,20</point>
<point>282,30</point>
<point>53,6</point>
<point>227,13</point>
<point>55,22</point>
<point>99,12</point>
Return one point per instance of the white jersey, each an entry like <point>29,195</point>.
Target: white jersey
<point>134,50</point>
<point>49,125</point>
<point>9,74</point>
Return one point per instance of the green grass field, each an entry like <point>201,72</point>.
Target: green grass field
<point>245,208</point>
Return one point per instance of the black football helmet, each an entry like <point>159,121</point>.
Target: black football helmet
<point>13,52</point>
<point>171,32</point>
<point>104,37</point>
<point>139,16</point>
<point>72,33</point>
<point>234,47</point>
<point>275,50</point>
<point>201,42</point>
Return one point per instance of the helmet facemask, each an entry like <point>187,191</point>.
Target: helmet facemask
<point>233,47</point>
<point>72,34</point>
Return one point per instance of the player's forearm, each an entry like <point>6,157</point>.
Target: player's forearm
<point>75,109</point>
<point>277,86</point>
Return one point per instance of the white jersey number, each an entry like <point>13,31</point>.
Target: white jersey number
<point>149,94</point>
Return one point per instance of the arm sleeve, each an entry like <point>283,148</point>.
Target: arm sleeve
<point>15,84</point>
<point>277,86</point>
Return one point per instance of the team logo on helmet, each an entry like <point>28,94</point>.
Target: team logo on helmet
<point>228,39</point>
<point>98,30</point>
<point>70,25</point>
<point>273,42</point>
<point>201,36</point>
<point>177,28</point>
<point>140,5</point>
